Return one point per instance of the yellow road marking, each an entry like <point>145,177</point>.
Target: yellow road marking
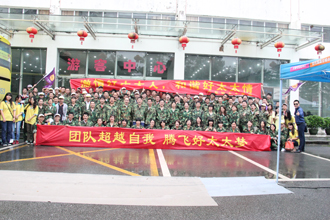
<point>13,148</point>
<point>51,156</point>
<point>99,162</point>
<point>153,164</point>
<point>35,158</point>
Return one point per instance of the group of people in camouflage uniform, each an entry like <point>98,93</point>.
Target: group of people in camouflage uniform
<point>156,110</point>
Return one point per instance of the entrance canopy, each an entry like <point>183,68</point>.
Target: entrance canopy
<point>311,70</point>
<point>262,35</point>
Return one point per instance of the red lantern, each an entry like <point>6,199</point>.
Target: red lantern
<point>133,36</point>
<point>31,31</point>
<point>236,42</point>
<point>82,34</point>
<point>279,45</point>
<point>319,48</point>
<point>184,40</point>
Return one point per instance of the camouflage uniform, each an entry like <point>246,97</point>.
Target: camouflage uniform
<point>195,114</point>
<point>125,112</point>
<point>134,127</point>
<point>255,118</point>
<point>50,110</point>
<point>41,110</point>
<point>165,128</point>
<point>96,125</point>
<point>115,125</point>
<point>224,119</point>
<point>260,131</point>
<point>184,116</point>
<point>199,128</point>
<point>69,123</point>
<point>207,116</point>
<point>273,135</point>
<point>221,129</point>
<point>251,131</point>
<point>83,124</point>
<point>233,131</point>
<point>162,115</point>
<point>263,116</point>
<point>168,104</point>
<point>92,116</point>
<point>139,112</point>
<point>185,128</point>
<point>150,113</point>
<point>284,136</point>
<point>53,123</point>
<point>174,128</point>
<point>244,117</point>
<point>75,110</point>
<point>113,110</point>
<point>173,116</point>
<point>102,112</point>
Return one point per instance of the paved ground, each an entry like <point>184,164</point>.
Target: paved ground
<point>309,200</point>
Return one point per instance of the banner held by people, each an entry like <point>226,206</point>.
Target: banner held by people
<point>106,137</point>
<point>173,86</point>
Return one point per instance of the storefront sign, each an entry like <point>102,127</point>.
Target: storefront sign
<point>173,86</point>
<point>105,137</point>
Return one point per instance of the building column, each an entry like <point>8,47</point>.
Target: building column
<point>179,64</point>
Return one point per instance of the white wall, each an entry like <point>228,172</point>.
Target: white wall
<point>33,4</point>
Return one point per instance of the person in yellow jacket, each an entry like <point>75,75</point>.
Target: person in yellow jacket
<point>30,118</point>
<point>18,119</point>
<point>7,117</point>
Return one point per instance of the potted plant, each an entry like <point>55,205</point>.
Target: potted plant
<point>313,123</point>
<point>326,125</point>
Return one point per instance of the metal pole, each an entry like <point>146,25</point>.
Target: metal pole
<point>279,133</point>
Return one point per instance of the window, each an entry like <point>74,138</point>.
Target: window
<point>154,16</point>
<point>124,15</point>
<point>219,20</point>
<point>168,17</point>
<point>30,11</point>
<point>34,66</point>
<point>272,72</point>
<point>205,19</point>
<point>160,65</point>
<point>16,68</point>
<point>197,67</point>
<point>231,21</point>
<point>130,63</point>
<point>72,62</point>
<point>286,26</point>
<point>101,63</point>
<point>45,12</point>
<point>3,10</point>
<point>95,14</point>
<point>325,91</point>
<point>309,97</point>
<point>305,27</point>
<point>110,14</point>
<point>224,69</point>
<point>139,15</point>
<point>249,70</point>
<point>81,13</point>
<point>16,11</point>
<point>67,13</point>
<point>326,34</point>
<point>192,18</point>
<point>269,24</point>
<point>243,22</point>
<point>258,23</point>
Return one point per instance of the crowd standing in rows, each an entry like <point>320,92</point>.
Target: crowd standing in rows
<point>144,109</point>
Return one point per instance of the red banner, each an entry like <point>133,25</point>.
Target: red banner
<point>105,137</point>
<point>173,86</point>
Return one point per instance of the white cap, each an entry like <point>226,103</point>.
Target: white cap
<point>201,93</point>
<point>41,115</point>
<point>29,86</point>
<point>88,96</point>
<point>41,93</point>
<point>50,89</point>
<point>137,92</point>
<point>196,97</point>
<point>56,88</point>
<point>123,88</point>
<point>57,115</point>
<point>84,92</point>
<point>61,97</point>
<point>73,93</point>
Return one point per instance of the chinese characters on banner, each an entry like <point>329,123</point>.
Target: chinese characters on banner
<point>142,138</point>
<point>181,86</point>
<point>100,65</point>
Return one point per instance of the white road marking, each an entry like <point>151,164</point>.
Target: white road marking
<point>311,179</point>
<point>163,164</point>
<point>322,158</point>
<point>259,165</point>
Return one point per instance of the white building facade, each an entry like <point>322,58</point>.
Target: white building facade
<point>259,23</point>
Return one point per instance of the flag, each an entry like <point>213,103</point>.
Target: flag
<point>50,79</point>
<point>294,88</point>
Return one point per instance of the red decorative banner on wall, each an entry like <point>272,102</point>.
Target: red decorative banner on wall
<point>105,137</point>
<point>173,86</point>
